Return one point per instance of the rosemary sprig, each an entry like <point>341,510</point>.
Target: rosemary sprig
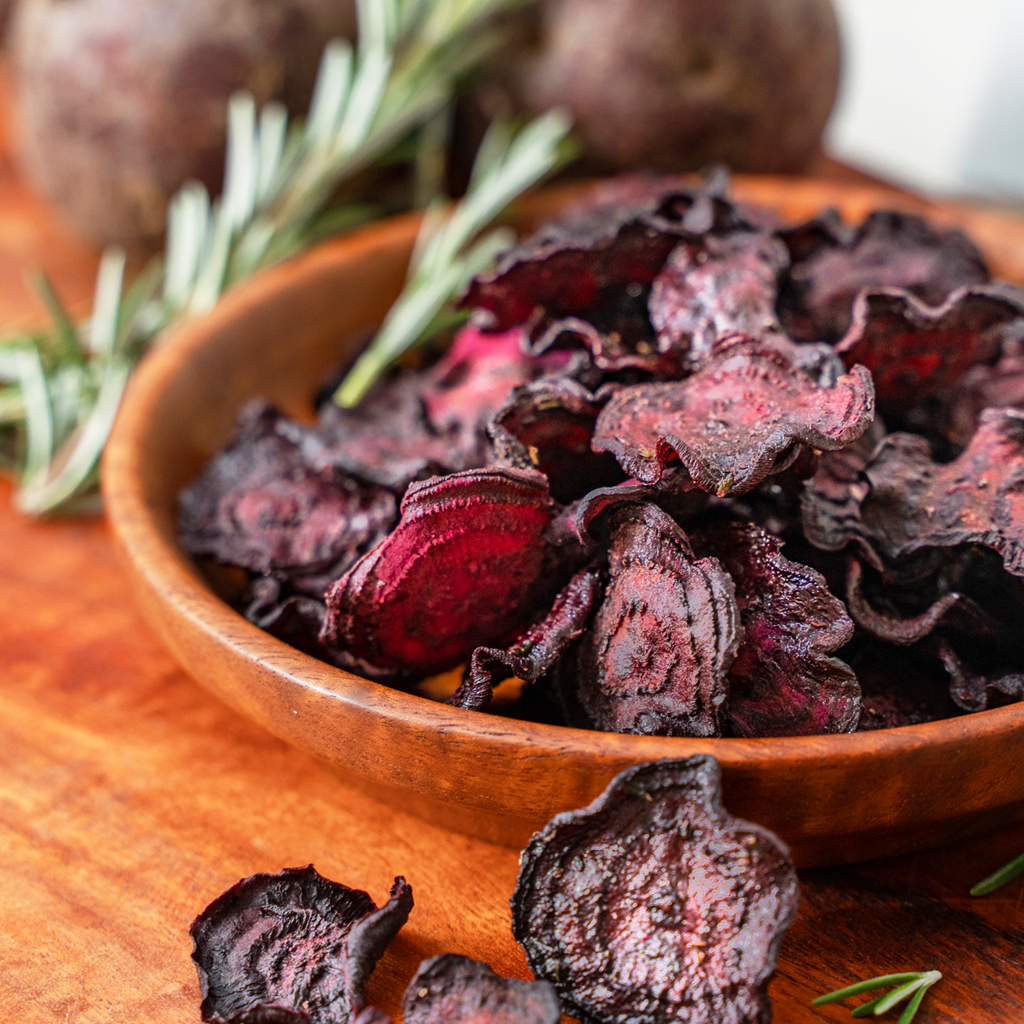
<point>1007,873</point>
<point>60,389</point>
<point>444,260</point>
<point>911,986</point>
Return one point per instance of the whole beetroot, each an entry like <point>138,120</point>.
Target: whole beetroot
<point>120,101</point>
<point>675,85</point>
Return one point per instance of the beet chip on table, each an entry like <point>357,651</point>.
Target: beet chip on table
<point>451,989</point>
<point>654,904</point>
<point>293,946</point>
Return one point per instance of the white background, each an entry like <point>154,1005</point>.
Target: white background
<point>932,94</point>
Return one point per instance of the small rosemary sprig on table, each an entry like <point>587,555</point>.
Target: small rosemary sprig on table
<point>1004,875</point>
<point>911,985</point>
<point>60,389</point>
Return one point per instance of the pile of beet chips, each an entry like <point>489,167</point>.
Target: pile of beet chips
<point>592,489</point>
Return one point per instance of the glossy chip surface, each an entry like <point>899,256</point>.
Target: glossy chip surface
<point>654,905</point>
<point>452,989</point>
<point>293,947</point>
<point>465,567</point>
<point>750,404</point>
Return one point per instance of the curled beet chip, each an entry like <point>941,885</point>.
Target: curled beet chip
<point>832,265</point>
<point>590,275</point>
<point>259,505</point>
<point>902,501</point>
<point>535,653</point>
<point>655,660</point>
<point>549,424</point>
<point>914,350</point>
<point>1000,386</point>
<point>451,989</point>
<point>294,947</point>
<point>975,691</point>
<point>723,285</point>
<point>948,611</point>
<point>783,681</point>
<point>467,566</point>
<point>743,415</point>
<point>653,904</point>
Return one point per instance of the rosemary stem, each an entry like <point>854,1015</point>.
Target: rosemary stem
<point>1007,873</point>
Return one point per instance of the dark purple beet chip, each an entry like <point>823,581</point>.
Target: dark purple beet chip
<point>452,989</point>
<point>656,658</point>
<point>914,350</point>
<point>535,653</point>
<point>902,501</point>
<point>260,506</point>
<point>654,905</point>
<point>783,681</point>
<point>726,284</point>
<point>548,425</point>
<point>949,611</point>
<point>590,273</point>
<point>832,265</point>
<point>388,440</point>
<point>977,692</point>
<point>675,493</point>
<point>1000,386</point>
<point>467,566</point>
<point>292,948</point>
<point>746,413</point>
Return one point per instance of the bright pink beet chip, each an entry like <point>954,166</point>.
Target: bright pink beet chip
<point>783,681</point>
<point>467,566</point>
<point>472,380</point>
<point>741,417</point>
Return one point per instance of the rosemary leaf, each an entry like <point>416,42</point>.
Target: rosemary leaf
<point>871,985</point>
<point>910,985</point>
<point>1007,873</point>
<point>443,261</point>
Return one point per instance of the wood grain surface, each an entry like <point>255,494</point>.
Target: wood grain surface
<point>130,798</point>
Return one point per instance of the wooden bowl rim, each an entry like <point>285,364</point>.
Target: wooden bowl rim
<point>172,576</point>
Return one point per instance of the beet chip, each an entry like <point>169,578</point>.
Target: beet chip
<point>656,657</point>
<point>260,506</point>
<point>833,264</point>
<point>745,414</point>
<point>535,653</point>
<point>451,989</point>
<point>783,682</point>
<point>654,905</point>
<point>904,502</point>
<point>467,566</point>
<point>549,424</point>
<point>914,350</point>
<point>590,275</point>
<point>726,284</point>
<point>294,947</point>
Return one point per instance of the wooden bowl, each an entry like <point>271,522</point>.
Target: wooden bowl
<point>832,798</point>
